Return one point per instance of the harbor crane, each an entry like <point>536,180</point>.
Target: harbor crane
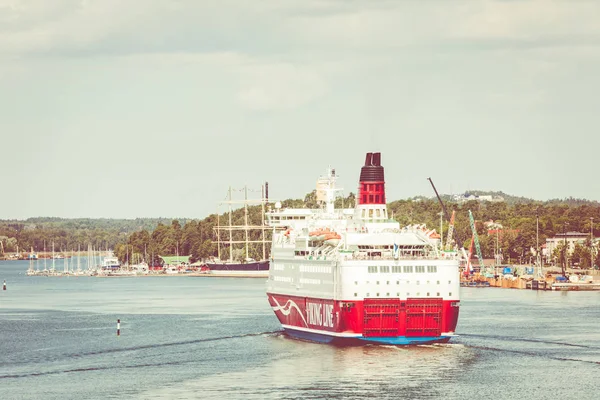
<point>450,220</point>
<point>476,240</point>
<point>450,231</point>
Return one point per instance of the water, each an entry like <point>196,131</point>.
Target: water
<point>216,338</point>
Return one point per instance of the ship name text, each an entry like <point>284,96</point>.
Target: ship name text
<point>320,314</point>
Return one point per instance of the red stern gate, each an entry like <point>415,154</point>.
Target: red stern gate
<point>393,317</point>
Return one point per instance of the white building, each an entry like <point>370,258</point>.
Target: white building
<point>571,238</point>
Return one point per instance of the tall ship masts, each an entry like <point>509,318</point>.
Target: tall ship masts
<point>231,238</point>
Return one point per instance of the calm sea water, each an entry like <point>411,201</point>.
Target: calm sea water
<point>217,338</point>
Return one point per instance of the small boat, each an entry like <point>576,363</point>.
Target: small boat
<point>111,262</point>
<point>171,269</point>
<point>477,284</point>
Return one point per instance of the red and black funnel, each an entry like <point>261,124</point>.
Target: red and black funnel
<point>372,181</point>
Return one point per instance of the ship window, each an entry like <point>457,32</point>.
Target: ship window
<point>427,294</point>
<point>388,294</point>
<point>378,282</point>
<point>368,294</point>
<point>387,283</point>
<point>397,282</point>
<point>418,282</point>
<point>385,268</point>
<point>407,294</point>
<point>371,199</point>
<point>449,293</point>
<point>364,212</point>
<point>372,269</point>
<point>377,294</point>
<point>438,282</point>
<point>419,269</point>
<point>371,212</point>
<point>355,294</point>
<point>356,282</point>
<point>432,268</point>
<point>408,269</point>
<point>438,294</point>
<point>428,282</point>
<point>449,282</point>
<point>418,294</point>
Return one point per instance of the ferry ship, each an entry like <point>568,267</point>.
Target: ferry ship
<point>354,276</point>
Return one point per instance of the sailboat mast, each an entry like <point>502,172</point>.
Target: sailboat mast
<point>30,269</point>
<point>65,262</point>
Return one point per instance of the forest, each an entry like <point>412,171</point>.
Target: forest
<point>523,226</point>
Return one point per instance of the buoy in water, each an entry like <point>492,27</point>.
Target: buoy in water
<point>118,327</point>
<point>4,285</point>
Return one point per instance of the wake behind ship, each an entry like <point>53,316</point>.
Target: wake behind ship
<point>354,276</point>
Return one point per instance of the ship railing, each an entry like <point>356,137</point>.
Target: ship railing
<point>336,256</point>
<point>400,257</point>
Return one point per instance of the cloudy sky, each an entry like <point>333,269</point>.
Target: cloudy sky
<point>148,108</point>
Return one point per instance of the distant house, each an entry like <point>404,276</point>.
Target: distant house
<point>463,198</point>
<point>571,238</point>
<point>494,228</point>
<point>175,260</point>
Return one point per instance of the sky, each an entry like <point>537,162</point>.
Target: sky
<point>154,108</point>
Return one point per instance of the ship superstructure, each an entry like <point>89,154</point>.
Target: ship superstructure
<point>355,275</point>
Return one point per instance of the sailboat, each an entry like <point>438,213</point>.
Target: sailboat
<point>45,270</point>
<point>78,259</point>
<point>30,270</point>
<point>66,265</point>
<point>52,269</point>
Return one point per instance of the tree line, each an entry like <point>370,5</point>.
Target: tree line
<point>524,226</point>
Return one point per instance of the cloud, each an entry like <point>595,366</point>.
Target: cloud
<point>279,86</point>
<point>113,27</point>
<point>449,24</point>
<point>287,54</point>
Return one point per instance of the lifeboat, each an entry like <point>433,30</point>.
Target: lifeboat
<point>320,234</point>
<point>332,238</point>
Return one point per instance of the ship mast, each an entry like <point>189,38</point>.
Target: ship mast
<point>230,230</point>
<point>248,226</point>
<point>262,222</point>
<point>246,219</point>
<point>218,235</point>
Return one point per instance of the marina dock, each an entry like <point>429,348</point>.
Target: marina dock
<point>590,280</point>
